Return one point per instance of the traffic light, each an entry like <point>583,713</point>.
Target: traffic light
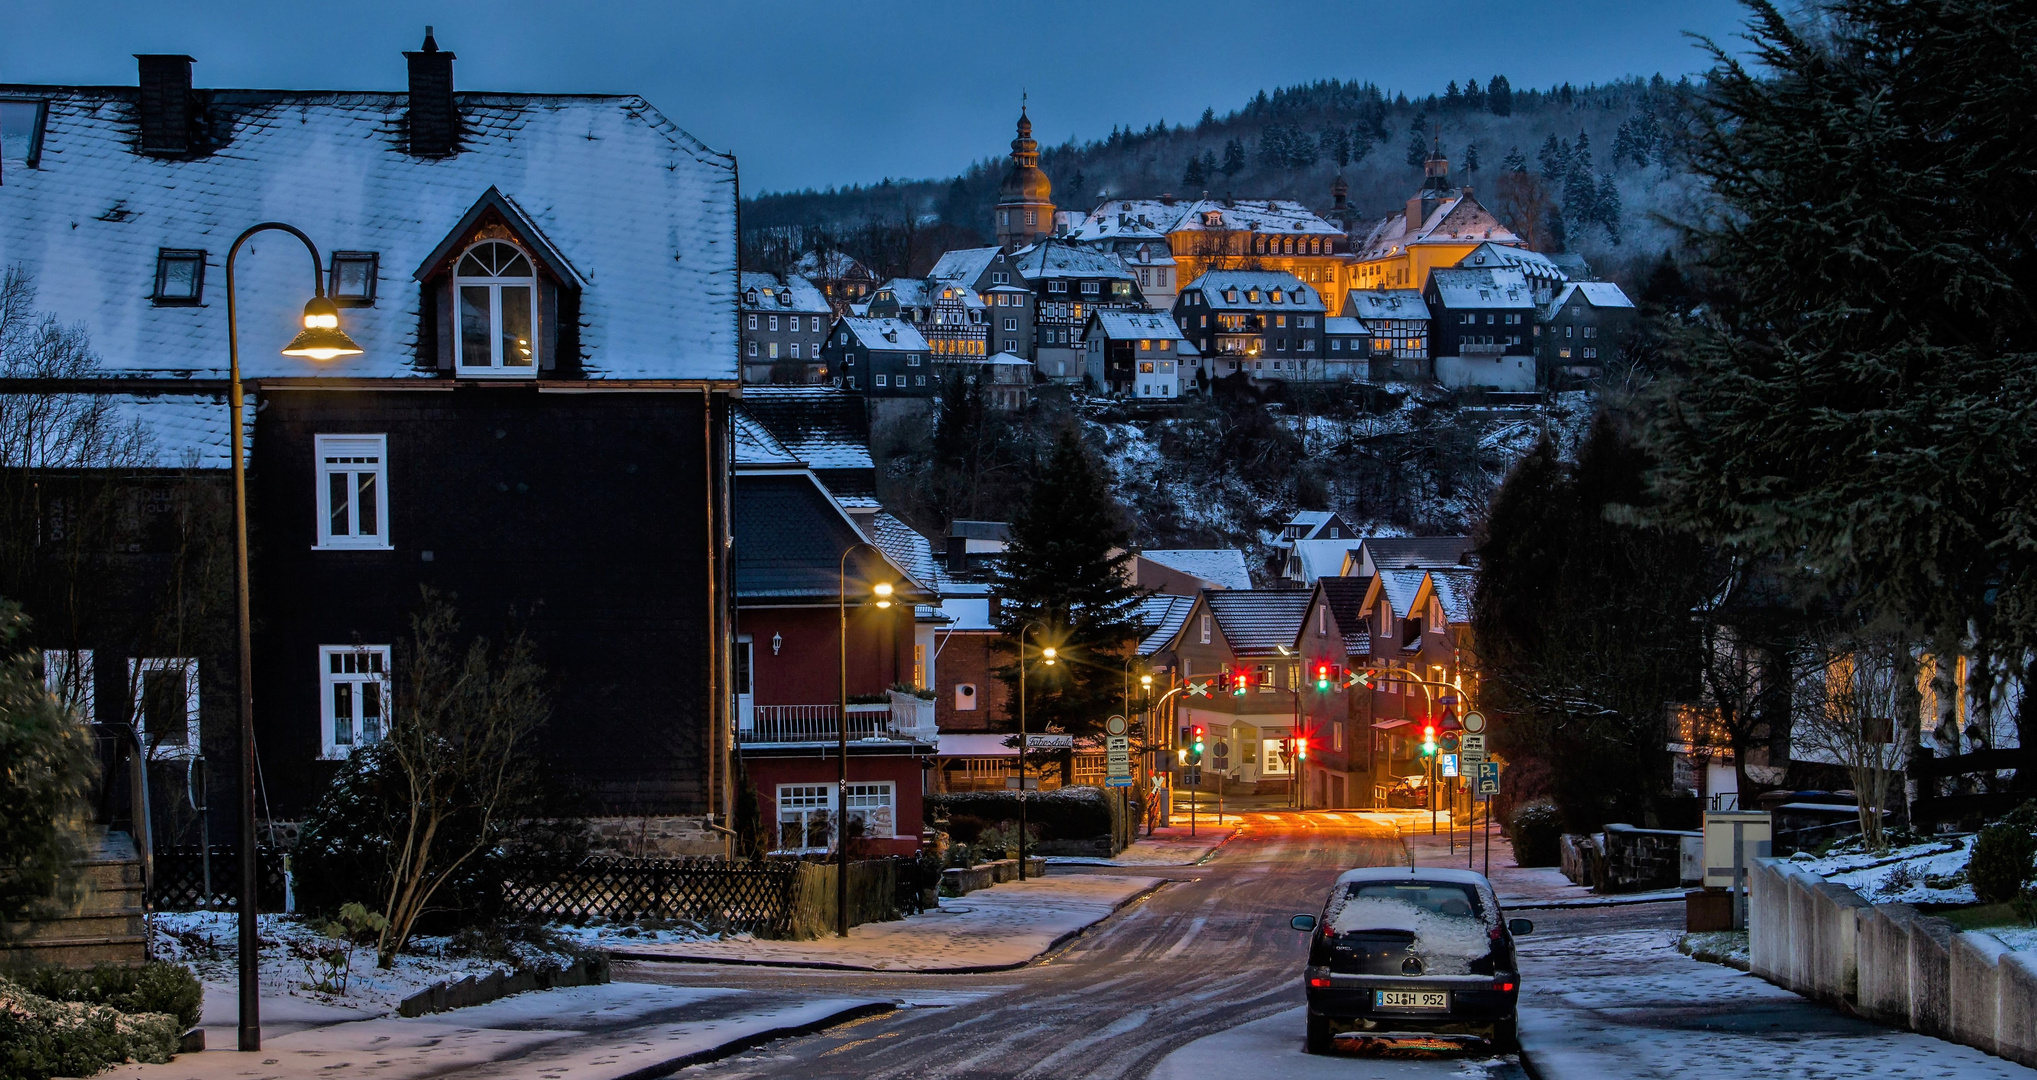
<point>1429,740</point>
<point>1301,748</point>
<point>1241,681</point>
<point>1195,745</point>
<point>1323,678</point>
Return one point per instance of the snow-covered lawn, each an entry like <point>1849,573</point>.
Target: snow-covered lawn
<point>1928,872</point>
<point>208,941</point>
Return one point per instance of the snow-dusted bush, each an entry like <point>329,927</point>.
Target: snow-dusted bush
<point>2004,864</point>
<point>155,987</point>
<point>40,1038</point>
<point>1537,834</point>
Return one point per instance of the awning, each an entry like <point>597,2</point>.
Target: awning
<point>1389,725</point>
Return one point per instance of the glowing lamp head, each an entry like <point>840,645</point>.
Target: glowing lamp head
<point>321,338</point>
<point>882,590</point>
<point>1146,681</point>
<point>1049,654</point>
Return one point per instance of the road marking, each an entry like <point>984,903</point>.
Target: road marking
<point>859,1042</point>
<point>1194,927</point>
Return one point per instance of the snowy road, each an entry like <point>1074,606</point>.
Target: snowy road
<point>1204,970</point>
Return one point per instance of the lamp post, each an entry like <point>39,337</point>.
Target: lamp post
<point>882,591</point>
<point>1048,655</point>
<point>320,339</point>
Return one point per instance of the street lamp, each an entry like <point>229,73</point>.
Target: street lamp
<point>321,339</point>
<point>1047,655</point>
<point>882,591</point>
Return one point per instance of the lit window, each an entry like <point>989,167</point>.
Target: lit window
<point>166,705</point>
<point>353,491</point>
<point>354,689</point>
<point>497,293</point>
<point>353,277</point>
<point>180,277</point>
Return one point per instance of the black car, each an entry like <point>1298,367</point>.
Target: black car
<point>1399,950</point>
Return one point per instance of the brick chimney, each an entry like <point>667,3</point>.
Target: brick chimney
<point>167,110</point>
<point>434,122</point>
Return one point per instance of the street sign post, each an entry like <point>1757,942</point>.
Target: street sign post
<point>1449,765</point>
<point>1473,722</point>
<point>1473,744</point>
<point>1117,781</point>
<point>1115,726</point>
<point>1050,742</point>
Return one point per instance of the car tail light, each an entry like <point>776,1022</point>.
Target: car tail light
<point>1319,980</point>
<point>1493,933</point>
<point>1503,987</point>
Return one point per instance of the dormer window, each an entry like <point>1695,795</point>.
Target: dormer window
<point>180,277</point>
<point>497,295</point>
<point>353,278</point>
<point>750,298</point>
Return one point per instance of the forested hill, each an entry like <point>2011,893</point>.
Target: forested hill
<point>1603,157</point>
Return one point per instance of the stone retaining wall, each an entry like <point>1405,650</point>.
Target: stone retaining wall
<point>1890,963</point>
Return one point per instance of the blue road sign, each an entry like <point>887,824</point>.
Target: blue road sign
<point>1117,781</point>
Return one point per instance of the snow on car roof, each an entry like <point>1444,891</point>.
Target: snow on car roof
<point>1420,873</point>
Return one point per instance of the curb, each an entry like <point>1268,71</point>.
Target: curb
<point>823,965</point>
<point>1610,901</point>
<point>758,1038</point>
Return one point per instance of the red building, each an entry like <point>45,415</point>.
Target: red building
<point>793,648</point>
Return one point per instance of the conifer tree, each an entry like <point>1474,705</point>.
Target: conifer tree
<point>1418,140</point>
<point>1474,96</point>
<point>1554,159</point>
<point>1234,158</point>
<point>1499,96</point>
<point>1514,162</point>
<point>1066,568</point>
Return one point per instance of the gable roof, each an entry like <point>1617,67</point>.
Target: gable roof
<point>905,291</point>
<point>1162,617</point>
<point>964,265</point>
<point>1400,588</point>
<point>1123,325</point>
<point>1532,264</point>
<point>789,540</point>
<point>1051,259</point>
<point>1222,567</point>
<point>1317,559</point>
<point>1386,304</point>
<point>1598,294</point>
<point>820,425</point>
<point>1427,552</point>
<point>637,210</point>
<point>1296,295</point>
<point>755,446</point>
<point>1484,287</point>
<point>1345,597</point>
<point>789,293</point>
<point>1454,589</point>
<point>1258,621</point>
<point>886,335</point>
<point>1456,219</point>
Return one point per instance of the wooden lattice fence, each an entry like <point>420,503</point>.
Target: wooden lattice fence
<point>180,879</point>
<point>758,898</point>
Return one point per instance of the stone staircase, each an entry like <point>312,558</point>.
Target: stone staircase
<point>105,926</point>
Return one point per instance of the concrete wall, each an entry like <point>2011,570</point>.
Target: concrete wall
<point>1887,962</point>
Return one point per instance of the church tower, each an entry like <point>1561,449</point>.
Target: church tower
<point>1025,208</point>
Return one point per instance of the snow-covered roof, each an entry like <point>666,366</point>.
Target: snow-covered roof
<point>1258,621</point>
<point>904,546</point>
<point>1223,568</point>
<point>967,614</point>
<point>173,430</point>
<point>1162,616</point>
<point>755,446</point>
<point>1401,587</point>
<point>1484,287</point>
<point>886,335</point>
<point>819,425</point>
<point>1006,358</point>
<point>964,265</point>
<point>1140,218</point>
<point>1599,294</point>
<point>949,745</point>
<point>1533,264</point>
<point>1310,519</point>
<point>1123,325</point>
<point>1453,220</point>
<point>1056,258</point>
<point>1136,219</point>
<point>1454,589</point>
<point>1405,304</point>
<point>789,293</point>
<point>907,292</point>
<point>1322,558</point>
<point>641,213</point>
<point>1236,288</point>
<point>1343,326</point>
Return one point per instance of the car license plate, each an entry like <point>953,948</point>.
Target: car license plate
<point>1411,999</point>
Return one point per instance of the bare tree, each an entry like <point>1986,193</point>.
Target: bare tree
<point>49,430</point>
<point>459,742</point>
<point>1848,694</point>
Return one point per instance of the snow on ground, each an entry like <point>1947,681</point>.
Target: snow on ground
<point>1169,846</point>
<point>2019,938</point>
<point>600,934</point>
<point>1728,947</point>
<point>1929,872</point>
<point>208,942</point>
<point>1273,1048</point>
<point>1004,926</point>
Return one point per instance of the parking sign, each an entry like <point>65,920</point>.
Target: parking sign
<point>1449,764</point>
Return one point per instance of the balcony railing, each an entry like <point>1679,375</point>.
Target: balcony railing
<point>904,718</point>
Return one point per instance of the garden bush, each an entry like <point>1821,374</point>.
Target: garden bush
<point>152,988</point>
<point>1537,834</point>
<point>2003,868</point>
<point>42,1038</point>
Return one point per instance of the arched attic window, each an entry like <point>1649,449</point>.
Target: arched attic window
<point>497,295</point>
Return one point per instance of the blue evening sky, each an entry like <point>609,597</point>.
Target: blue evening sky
<point>831,92</point>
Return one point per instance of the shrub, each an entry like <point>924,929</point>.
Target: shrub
<point>41,1038</point>
<point>1537,834</point>
<point>2004,861</point>
<point>1069,813</point>
<point>152,988</point>
<point>46,768</point>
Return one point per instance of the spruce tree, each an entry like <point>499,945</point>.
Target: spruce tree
<point>1554,159</point>
<point>1453,98</point>
<point>1418,140</point>
<point>1514,162</point>
<point>1234,158</point>
<point>1065,568</point>
<point>1193,176</point>
<point>1499,96</point>
<point>1864,398</point>
<point>1474,96</point>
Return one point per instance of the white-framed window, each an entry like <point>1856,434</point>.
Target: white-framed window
<point>67,673</point>
<point>999,277</point>
<point>165,690</point>
<point>912,359</point>
<point>774,350</point>
<point>774,322</point>
<point>1205,628</point>
<point>1010,325</point>
<point>881,379</point>
<point>752,320</point>
<point>353,491</point>
<point>753,348</point>
<point>496,294</point>
<point>806,814</point>
<point>795,350</point>
<point>353,685</point>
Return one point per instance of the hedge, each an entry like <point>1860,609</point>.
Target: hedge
<point>41,1038</point>
<point>1069,813</point>
<point>1537,834</point>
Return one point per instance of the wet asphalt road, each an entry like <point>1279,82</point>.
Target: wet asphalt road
<point>1206,953</point>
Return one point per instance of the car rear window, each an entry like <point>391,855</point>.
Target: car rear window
<point>1445,898</point>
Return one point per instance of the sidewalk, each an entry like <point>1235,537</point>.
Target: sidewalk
<point>1521,888</point>
<point>1627,1004</point>
<point>1005,926</point>
<point>1273,1046</point>
<point>1168,846</point>
<point>610,1032</point>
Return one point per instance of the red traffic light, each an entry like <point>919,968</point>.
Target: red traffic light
<point>1301,748</point>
